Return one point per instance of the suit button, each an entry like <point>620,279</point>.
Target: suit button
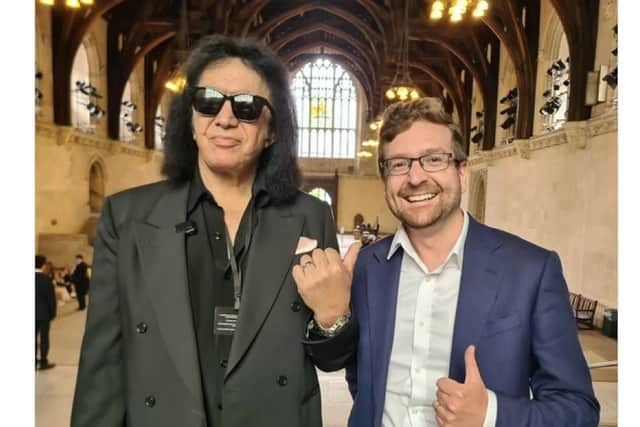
<point>141,328</point>
<point>218,236</point>
<point>223,363</point>
<point>295,306</point>
<point>282,380</point>
<point>149,401</point>
<point>220,406</point>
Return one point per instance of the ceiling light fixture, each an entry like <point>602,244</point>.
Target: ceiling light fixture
<point>402,87</point>
<point>457,9</point>
<point>176,84</point>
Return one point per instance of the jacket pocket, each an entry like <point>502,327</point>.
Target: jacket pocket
<point>496,326</point>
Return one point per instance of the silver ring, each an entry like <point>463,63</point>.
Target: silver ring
<point>307,263</point>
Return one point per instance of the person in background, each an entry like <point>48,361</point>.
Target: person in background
<point>80,280</point>
<point>45,311</point>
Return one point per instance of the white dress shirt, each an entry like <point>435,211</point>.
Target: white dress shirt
<point>423,335</point>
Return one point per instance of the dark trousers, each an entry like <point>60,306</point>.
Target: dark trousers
<point>82,298</point>
<point>42,329</point>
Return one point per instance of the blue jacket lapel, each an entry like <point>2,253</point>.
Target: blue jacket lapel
<point>478,291</point>
<point>382,299</point>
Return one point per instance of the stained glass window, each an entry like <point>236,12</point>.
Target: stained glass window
<point>326,105</point>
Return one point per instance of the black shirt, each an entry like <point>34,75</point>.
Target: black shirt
<point>211,280</point>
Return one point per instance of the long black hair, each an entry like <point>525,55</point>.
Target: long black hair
<point>278,162</point>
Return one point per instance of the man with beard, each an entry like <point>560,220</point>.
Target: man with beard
<point>460,324</point>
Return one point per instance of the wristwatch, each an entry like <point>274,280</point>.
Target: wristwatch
<point>332,330</point>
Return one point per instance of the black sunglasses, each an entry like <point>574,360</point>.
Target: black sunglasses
<point>208,101</point>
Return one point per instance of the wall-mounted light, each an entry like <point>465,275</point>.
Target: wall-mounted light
<point>134,127</point>
<point>477,137</point>
<point>87,89</point>
<point>129,104</point>
<point>551,106</point>
<point>510,110</point>
<point>370,143</point>
<point>94,110</point>
<point>510,121</point>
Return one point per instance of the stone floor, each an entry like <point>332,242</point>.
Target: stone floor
<point>54,387</point>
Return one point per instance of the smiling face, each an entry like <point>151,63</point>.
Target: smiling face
<point>423,199</point>
<point>227,145</point>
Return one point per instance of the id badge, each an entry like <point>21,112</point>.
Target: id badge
<point>225,320</point>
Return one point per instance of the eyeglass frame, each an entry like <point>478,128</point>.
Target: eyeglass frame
<point>384,169</point>
<point>264,101</point>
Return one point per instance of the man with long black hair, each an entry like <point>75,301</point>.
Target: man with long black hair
<point>195,319</point>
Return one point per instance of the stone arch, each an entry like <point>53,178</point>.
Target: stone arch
<point>97,177</point>
<point>97,184</point>
<point>553,33</point>
<point>87,70</point>
<point>478,194</point>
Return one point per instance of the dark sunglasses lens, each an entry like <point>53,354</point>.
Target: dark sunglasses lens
<point>247,107</point>
<point>207,101</point>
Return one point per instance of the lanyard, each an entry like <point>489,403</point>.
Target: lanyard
<point>235,270</point>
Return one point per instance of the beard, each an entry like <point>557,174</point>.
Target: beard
<point>437,211</point>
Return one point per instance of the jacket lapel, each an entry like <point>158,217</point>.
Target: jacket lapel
<point>163,260</point>
<point>479,286</point>
<point>270,258</point>
<point>382,296</point>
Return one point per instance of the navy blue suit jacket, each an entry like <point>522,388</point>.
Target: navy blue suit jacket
<point>513,305</point>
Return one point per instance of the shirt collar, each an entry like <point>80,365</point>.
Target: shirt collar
<point>38,270</point>
<point>401,239</point>
<point>197,191</point>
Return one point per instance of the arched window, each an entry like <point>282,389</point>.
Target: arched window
<point>81,99</point>
<point>127,115</point>
<point>556,96</point>
<point>321,194</point>
<point>326,105</point>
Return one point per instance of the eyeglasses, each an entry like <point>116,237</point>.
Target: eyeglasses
<point>246,107</point>
<point>434,162</point>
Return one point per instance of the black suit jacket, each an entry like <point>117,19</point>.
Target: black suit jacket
<point>139,361</point>
<point>45,297</point>
<point>80,279</point>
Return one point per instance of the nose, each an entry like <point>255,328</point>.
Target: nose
<point>225,117</point>
<point>416,174</point>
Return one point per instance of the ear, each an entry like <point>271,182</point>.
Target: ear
<point>269,140</point>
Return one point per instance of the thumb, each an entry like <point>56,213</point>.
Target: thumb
<point>351,256</point>
<point>472,372</point>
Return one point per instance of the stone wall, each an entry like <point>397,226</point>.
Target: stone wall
<point>559,191</point>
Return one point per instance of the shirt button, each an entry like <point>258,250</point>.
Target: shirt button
<point>220,406</point>
<point>421,323</point>
<point>150,401</point>
<point>223,363</point>
<point>141,328</point>
<point>295,306</point>
<point>282,380</point>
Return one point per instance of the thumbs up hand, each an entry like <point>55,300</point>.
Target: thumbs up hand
<point>462,404</point>
<point>324,282</point>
